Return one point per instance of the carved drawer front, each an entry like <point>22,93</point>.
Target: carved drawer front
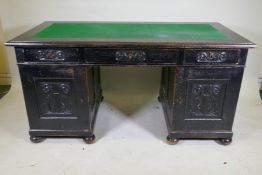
<point>53,55</point>
<point>212,56</point>
<point>130,56</point>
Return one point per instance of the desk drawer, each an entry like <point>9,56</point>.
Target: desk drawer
<point>130,56</point>
<point>53,55</point>
<point>231,56</point>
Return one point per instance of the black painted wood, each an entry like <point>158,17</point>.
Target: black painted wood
<point>51,55</point>
<point>60,100</point>
<point>215,56</point>
<point>131,56</point>
<point>26,39</point>
<point>199,87</point>
<point>203,101</point>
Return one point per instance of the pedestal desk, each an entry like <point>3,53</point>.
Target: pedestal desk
<point>202,68</point>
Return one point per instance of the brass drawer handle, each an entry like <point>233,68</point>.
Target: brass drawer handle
<point>130,56</point>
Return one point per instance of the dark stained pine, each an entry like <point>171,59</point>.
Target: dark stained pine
<point>202,68</point>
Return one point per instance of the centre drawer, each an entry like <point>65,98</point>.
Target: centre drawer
<point>131,56</point>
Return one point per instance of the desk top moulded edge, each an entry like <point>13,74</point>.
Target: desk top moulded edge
<point>27,40</point>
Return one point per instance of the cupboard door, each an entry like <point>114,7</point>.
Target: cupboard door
<point>205,97</point>
<point>56,97</point>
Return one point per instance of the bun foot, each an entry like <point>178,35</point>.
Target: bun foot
<point>89,139</point>
<point>171,141</point>
<point>37,139</point>
<point>225,141</point>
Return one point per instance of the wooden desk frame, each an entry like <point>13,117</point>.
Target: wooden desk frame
<point>199,88</point>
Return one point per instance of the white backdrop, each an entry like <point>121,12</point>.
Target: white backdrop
<point>242,16</point>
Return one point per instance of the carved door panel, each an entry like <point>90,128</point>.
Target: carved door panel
<point>56,97</point>
<point>206,97</point>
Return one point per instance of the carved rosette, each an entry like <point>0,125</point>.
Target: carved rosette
<point>50,55</point>
<point>130,55</point>
<point>211,56</point>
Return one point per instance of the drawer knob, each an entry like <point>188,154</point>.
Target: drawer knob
<point>211,56</point>
<point>130,56</point>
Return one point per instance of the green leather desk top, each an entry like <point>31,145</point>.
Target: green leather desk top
<point>131,34</point>
<point>132,31</point>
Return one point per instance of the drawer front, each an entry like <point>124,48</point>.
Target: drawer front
<point>51,55</point>
<point>212,56</point>
<point>128,56</point>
